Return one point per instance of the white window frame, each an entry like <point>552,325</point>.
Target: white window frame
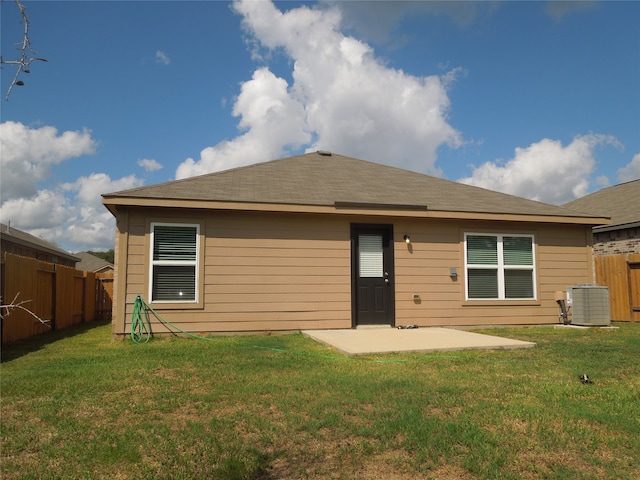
<point>195,263</point>
<point>500,267</point>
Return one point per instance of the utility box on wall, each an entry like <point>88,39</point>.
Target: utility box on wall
<point>589,305</point>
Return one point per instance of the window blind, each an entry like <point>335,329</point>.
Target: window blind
<point>500,266</point>
<point>370,256</point>
<point>174,282</point>
<point>483,283</point>
<point>174,243</point>
<point>482,250</point>
<point>518,283</point>
<point>174,260</point>
<point>517,250</point>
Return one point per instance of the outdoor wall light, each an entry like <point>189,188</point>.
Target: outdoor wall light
<point>407,238</point>
<point>453,273</point>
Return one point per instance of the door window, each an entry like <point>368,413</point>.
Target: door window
<point>370,256</point>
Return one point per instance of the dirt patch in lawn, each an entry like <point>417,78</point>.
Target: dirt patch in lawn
<point>392,465</point>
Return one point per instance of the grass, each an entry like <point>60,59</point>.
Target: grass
<point>77,405</point>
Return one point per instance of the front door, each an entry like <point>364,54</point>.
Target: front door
<point>372,275</point>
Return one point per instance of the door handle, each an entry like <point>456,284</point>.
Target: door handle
<point>386,281</point>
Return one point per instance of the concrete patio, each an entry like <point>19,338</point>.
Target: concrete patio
<point>432,339</point>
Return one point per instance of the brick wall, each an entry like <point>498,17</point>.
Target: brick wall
<point>616,242</point>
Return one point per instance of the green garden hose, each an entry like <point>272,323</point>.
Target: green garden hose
<point>141,325</point>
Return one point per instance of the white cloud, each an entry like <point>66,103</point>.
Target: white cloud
<point>630,171</point>
<point>559,9</point>
<point>46,209</point>
<point>71,214</point>
<point>162,57</point>
<point>602,181</point>
<point>89,224</point>
<point>89,190</point>
<point>150,165</point>
<point>272,120</point>
<point>377,20</point>
<point>29,153</point>
<point>342,99</point>
<point>546,171</point>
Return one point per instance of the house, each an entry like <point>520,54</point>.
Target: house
<point>24,244</point>
<point>90,263</point>
<point>622,204</point>
<point>617,246</point>
<point>325,241</point>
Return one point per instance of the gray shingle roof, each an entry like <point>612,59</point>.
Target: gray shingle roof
<point>91,263</point>
<point>326,179</point>
<point>12,234</point>
<point>620,202</point>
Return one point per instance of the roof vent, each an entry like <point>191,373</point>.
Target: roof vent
<point>324,153</point>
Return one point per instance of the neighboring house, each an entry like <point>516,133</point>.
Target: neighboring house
<point>622,204</point>
<point>90,263</point>
<point>325,241</point>
<point>617,246</point>
<point>24,244</point>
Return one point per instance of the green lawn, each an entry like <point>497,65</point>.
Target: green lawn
<point>77,405</point>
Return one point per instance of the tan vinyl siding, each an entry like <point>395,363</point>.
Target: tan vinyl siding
<point>121,249</point>
<point>422,268</point>
<point>277,271</point>
<point>562,259</point>
<point>137,265</point>
<point>267,269</point>
<point>261,272</point>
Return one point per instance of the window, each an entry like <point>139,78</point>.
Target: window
<point>174,262</point>
<point>371,256</point>
<point>499,267</point>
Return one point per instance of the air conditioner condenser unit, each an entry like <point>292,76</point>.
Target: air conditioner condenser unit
<point>589,305</point>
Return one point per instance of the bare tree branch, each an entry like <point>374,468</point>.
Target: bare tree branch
<point>6,310</point>
<point>24,59</point>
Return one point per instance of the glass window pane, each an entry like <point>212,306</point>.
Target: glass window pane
<point>174,283</point>
<point>174,243</point>
<point>518,284</point>
<point>518,250</point>
<point>483,283</point>
<point>370,255</point>
<point>482,250</point>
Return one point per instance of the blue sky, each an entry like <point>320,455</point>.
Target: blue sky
<point>537,99</point>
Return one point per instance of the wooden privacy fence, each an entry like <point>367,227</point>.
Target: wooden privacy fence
<point>104,295</point>
<point>59,296</point>
<point>621,273</point>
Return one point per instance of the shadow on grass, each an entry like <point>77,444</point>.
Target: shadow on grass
<point>11,351</point>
